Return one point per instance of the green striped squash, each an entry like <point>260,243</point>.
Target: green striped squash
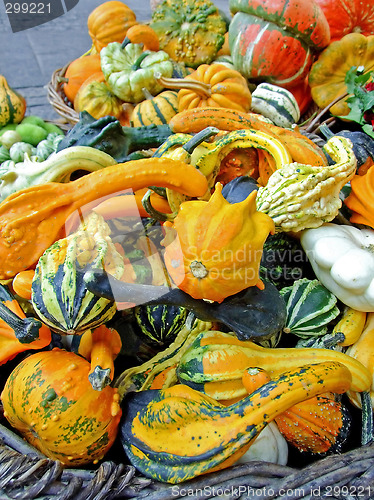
<point>156,110</point>
<point>310,308</point>
<point>159,325</point>
<point>12,104</point>
<point>59,295</point>
<point>275,103</point>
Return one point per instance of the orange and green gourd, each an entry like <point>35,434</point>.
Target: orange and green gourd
<point>207,436</point>
<point>49,400</point>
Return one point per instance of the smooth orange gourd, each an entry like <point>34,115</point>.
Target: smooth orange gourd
<point>34,218</point>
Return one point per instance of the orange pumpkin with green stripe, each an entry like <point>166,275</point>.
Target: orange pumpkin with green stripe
<point>49,400</point>
<point>156,110</point>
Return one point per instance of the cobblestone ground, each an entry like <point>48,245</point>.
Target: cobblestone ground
<point>28,58</point>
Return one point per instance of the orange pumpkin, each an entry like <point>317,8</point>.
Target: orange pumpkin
<point>95,97</point>
<point>77,72</point>
<point>143,33</point>
<point>109,22</point>
<point>213,85</point>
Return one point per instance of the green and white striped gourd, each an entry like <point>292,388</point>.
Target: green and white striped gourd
<point>59,294</point>
<point>275,103</point>
<point>310,308</point>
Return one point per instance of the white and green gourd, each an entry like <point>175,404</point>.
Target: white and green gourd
<point>275,103</point>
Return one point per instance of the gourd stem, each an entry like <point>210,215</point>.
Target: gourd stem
<point>125,42</point>
<point>367,419</point>
<point>204,89</point>
<point>147,94</point>
<point>139,60</point>
<point>198,138</point>
<point>25,330</point>
<point>161,191</point>
<point>326,131</point>
<point>153,213</point>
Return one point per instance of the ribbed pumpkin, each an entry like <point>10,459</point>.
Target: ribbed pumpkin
<point>155,110</point>
<point>95,97</point>
<point>59,295</point>
<point>327,75</point>
<point>190,31</point>
<point>159,325</point>
<point>217,248</point>
<point>49,400</point>
<point>348,16</point>
<point>275,41</point>
<point>109,22</point>
<point>12,104</point>
<point>213,85</point>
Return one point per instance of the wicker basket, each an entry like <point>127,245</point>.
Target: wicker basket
<point>25,474</point>
<point>58,100</point>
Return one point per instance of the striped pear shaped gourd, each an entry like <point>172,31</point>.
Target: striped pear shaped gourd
<point>59,295</point>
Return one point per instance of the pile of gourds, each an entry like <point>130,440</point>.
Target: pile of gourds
<point>204,235</point>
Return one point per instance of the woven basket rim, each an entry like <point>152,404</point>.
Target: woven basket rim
<point>56,97</point>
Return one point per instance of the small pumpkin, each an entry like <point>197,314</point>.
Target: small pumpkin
<point>328,72</point>
<point>316,425</point>
<point>348,16</point>
<point>212,85</point>
<point>77,72</point>
<point>276,41</point>
<point>95,97</point>
<point>12,104</point>
<point>190,31</point>
<point>109,22</point>
<point>310,308</point>
<point>159,325</point>
<point>49,400</point>
<point>156,110</point>
<point>218,247</point>
<point>275,103</point>
<point>145,34</point>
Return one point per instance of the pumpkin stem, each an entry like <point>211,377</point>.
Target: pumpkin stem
<point>201,88</point>
<point>147,94</point>
<point>26,330</point>
<point>100,378</point>
<point>139,60</point>
<point>155,214</point>
<point>198,269</point>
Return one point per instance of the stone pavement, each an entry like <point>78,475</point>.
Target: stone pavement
<point>28,58</point>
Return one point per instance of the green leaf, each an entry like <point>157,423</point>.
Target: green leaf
<point>368,129</point>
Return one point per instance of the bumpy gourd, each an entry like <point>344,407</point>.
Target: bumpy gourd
<point>299,196</point>
<point>59,296</point>
<point>207,436</point>
<point>190,31</point>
